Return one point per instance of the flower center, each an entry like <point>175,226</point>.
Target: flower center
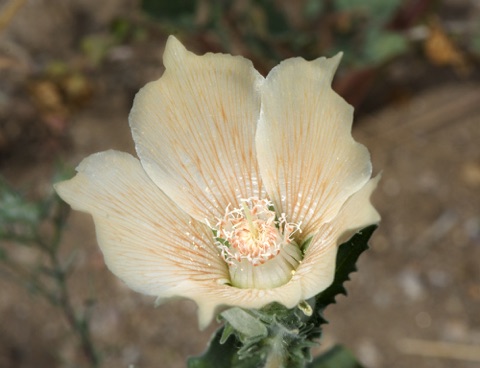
<point>257,245</point>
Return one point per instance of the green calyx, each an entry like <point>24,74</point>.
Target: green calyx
<point>275,336</point>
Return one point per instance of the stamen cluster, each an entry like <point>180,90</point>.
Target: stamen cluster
<point>253,232</point>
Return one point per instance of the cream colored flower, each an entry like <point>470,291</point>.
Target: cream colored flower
<point>236,172</point>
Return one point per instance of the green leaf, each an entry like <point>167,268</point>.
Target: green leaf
<point>217,354</point>
<point>347,257</point>
<point>250,337</point>
<point>244,323</point>
<point>336,357</point>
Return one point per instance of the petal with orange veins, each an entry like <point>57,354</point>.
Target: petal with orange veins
<point>194,130</point>
<point>314,274</point>
<point>318,266</point>
<point>147,241</point>
<point>316,271</point>
<point>210,299</point>
<point>309,162</point>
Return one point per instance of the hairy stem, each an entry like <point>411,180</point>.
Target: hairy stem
<point>276,357</point>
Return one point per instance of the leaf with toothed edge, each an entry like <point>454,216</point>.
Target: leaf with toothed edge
<point>347,256</point>
<point>243,343</point>
<point>218,354</point>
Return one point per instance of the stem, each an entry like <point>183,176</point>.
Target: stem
<point>20,275</point>
<point>276,357</point>
<point>79,325</point>
<point>60,298</point>
<point>28,232</point>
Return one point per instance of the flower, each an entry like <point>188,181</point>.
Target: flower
<point>237,174</point>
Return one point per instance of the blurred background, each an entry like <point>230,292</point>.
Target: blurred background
<point>69,70</point>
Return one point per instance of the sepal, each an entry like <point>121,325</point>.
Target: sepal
<point>275,336</point>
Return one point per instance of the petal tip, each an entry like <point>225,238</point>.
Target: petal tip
<point>173,43</point>
<point>336,59</point>
<point>173,49</point>
<point>60,188</point>
<point>330,65</point>
<point>205,314</point>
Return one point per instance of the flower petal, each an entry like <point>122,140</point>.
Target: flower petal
<point>309,162</point>
<point>147,241</point>
<point>158,250</point>
<point>299,288</point>
<point>211,299</point>
<point>316,271</point>
<point>357,213</point>
<point>318,266</point>
<point>194,130</point>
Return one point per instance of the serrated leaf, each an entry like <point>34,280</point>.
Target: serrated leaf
<point>249,335</point>
<point>336,357</point>
<point>347,257</point>
<point>217,354</point>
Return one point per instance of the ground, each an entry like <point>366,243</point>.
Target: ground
<point>418,285</point>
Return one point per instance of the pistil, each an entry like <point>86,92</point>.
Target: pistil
<point>257,245</point>
<point>248,216</point>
